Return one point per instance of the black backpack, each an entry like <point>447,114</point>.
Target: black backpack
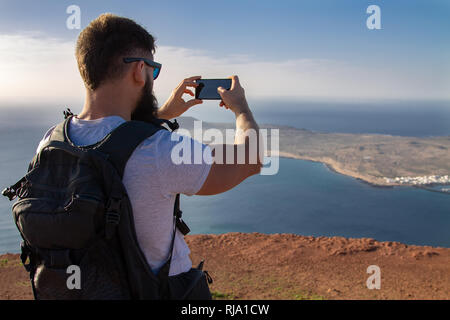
<point>76,219</point>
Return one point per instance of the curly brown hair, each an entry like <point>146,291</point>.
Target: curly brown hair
<point>102,44</point>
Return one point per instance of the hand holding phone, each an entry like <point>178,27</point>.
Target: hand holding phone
<point>234,98</point>
<point>175,106</point>
<point>207,88</point>
<point>228,90</point>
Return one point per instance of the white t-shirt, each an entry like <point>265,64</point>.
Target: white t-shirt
<point>152,180</point>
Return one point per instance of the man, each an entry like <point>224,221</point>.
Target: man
<point>119,90</point>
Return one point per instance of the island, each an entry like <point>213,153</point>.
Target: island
<point>378,159</point>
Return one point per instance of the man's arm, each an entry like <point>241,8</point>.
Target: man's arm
<point>224,176</point>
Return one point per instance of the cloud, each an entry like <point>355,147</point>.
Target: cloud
<point>304,78</point>
<point>34,67</point>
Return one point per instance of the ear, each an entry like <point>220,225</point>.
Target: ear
<point>138,73</point>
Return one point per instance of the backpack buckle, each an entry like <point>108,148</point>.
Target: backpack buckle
<point>182,226</point>
<point>67,113</point>
<point>19,189</point>
<point>113,211</point>
<point>10,194</point>
<point>27,253</point>
<point>174,125</point>
<point>112,216</point>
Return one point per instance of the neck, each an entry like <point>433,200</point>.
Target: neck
<point>106,101</point>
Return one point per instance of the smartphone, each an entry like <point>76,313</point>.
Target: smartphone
<point>207,88</point>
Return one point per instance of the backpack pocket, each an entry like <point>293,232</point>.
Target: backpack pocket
<point>190,285</point>
<point>52,224</point>
<point>103,274</point>
<point>51,283</point>
<point>95,273</point>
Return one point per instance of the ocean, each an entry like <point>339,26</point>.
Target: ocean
<point>304,198</point>
<point>402,118</point>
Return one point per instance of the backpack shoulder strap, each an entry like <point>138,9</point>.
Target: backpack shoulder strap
<point>60,131</point>
<point>120,143</point>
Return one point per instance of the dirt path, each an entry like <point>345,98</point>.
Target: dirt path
<point>285,266</point>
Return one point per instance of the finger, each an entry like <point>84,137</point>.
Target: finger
<point>190,84</point>
<point>182,87</point>
<point>192,78</point>
<point>221,90</point>
<point>234,81</point>
<point>193,102</point>
<point>189,92</point>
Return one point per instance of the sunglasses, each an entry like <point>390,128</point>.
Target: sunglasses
<point>155,65</point>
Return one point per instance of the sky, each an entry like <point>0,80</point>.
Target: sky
<point>281,50</point>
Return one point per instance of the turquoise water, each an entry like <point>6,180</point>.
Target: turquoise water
<point>307,198</point>
<point>303,198</point>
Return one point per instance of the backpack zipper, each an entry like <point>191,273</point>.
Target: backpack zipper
<point>85,197</point>
<point>55,189</point>
<point>59,209</point>
<point>64,208</point>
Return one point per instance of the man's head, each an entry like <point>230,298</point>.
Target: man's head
<point>100,50</point>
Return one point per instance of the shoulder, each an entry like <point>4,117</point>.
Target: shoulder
<point>162,139</point>
<point>164,143</point>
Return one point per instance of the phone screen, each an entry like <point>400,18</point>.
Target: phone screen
<point>207,88</point>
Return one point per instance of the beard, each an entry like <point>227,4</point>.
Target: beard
<point>147,105</point>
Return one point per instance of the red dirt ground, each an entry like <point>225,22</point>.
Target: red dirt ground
<point>286,266</point>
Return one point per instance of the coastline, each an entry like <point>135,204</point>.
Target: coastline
<point>293,267</point>
<point>380,160</point>
<point>332,166</point>
<point>372,181</point>
<point>428,188</point>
